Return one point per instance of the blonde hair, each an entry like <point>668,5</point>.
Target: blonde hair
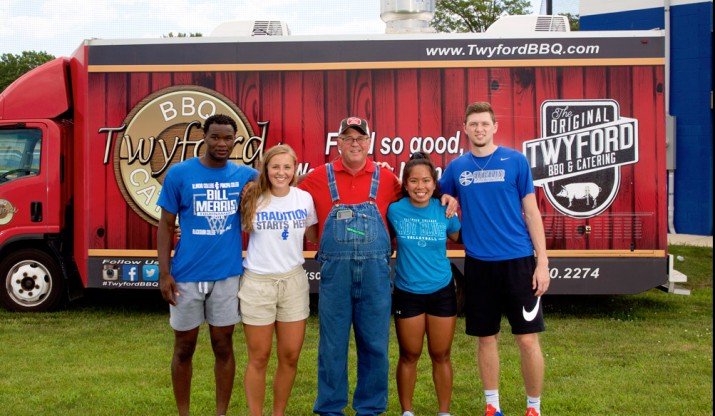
<point>262,186</point>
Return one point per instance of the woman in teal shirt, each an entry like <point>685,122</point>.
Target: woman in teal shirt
<point>424,298</point>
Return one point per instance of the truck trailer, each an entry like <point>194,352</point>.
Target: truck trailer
<point>85,141</point>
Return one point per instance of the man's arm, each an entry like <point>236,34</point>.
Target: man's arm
<point>164,243</point>
<point>535,226</point>
<point>448,192</point>
<point>454,237</point>
<point>452,204</point>
<point>311,233</point>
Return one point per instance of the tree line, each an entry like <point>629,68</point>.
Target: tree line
<point>13,66</point>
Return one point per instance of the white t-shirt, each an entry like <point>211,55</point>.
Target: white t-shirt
<point>276,242</point>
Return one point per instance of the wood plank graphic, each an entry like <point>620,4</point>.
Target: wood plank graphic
<point>404,107</point>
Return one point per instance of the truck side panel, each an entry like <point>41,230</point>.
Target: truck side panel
<point>295,116</point>
<point>409,109</point>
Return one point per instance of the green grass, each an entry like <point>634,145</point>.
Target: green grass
<point>109,353</point>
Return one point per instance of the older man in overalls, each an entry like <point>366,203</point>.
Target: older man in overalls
<point>351,196</point>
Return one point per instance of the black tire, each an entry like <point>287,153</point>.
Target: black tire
<point>32,281</point>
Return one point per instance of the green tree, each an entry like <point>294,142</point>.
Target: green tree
<point>573,20</point>
<point>474,15</point>
<point>13,66</point>
<point>182,35</point>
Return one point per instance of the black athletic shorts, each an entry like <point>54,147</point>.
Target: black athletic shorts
<point>496,287</point>
<point>442,303</point>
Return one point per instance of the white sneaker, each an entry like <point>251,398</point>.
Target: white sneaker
<point>408,413</point>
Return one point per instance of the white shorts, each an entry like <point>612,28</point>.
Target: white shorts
<point>213,302</point>
<point>267,298</point>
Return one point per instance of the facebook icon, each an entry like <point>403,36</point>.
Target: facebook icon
<point>131,273</point>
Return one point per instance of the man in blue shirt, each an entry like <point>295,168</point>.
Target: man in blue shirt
<point>201,282</point>
<point>501,230</point>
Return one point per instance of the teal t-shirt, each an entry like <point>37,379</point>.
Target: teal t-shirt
<point>422,265</point>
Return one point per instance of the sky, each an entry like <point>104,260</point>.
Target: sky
<point>58,27</point>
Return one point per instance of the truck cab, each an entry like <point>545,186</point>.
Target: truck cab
<point>34,189</point>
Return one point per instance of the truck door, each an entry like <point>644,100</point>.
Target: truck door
<point>23,186</point>
<point>30,188</point>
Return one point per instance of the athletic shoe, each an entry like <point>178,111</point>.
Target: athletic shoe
<point>531,412</point>
<point>408,413</point>
<point>492,411</point>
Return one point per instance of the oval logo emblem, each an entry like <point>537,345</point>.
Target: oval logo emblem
<point>166,128</point>
<point>578,158</point>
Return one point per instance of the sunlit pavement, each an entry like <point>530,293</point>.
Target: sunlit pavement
<point>691,240</point>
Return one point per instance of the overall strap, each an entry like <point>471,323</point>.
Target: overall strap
<point>375,183</point>
<point>331,182</point>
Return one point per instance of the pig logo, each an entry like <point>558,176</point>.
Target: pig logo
<point>586,195</point>
<point>584,190</point>
<point>578,158</point>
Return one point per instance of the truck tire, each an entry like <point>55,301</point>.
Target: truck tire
<point>32,281</point>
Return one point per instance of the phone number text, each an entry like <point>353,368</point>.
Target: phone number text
<point>575,272</point>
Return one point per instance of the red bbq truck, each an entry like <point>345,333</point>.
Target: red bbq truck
<point>85,141</point>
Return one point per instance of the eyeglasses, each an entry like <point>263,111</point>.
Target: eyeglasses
<point>418,155</point>
<point>351,140</point>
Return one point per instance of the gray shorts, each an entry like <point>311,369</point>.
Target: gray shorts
<point>213,302</point>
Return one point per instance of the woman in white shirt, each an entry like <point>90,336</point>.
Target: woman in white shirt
<point>274,289</point>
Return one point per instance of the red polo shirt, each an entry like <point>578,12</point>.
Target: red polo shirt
<point>352,189</point>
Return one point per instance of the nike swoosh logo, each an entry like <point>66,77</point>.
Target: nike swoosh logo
<point>503,158</point>
<point>529,316</point>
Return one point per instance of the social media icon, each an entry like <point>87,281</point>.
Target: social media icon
<point>130,273</point>
<point>110,272</point>
<point>150,272</point>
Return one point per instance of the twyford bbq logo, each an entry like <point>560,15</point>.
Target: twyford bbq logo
<point>578,159</point>
<point>166,128</point>
<point>7,211</point>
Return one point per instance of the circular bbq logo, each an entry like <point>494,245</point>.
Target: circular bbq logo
<point>166,128</point>
<point>578,159</point>
<point>7,211</point>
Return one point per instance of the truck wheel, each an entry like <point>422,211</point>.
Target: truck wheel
<point>32,281</point>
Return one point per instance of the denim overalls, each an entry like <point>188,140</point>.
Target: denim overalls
<point>355,288</point>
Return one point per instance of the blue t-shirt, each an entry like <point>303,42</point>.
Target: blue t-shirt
<point>206,201</point>
<point>490,199</point>
<point>422,265</point>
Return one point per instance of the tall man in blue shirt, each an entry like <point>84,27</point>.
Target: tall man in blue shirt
<point>501,230</point>
<point>201,282</point>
